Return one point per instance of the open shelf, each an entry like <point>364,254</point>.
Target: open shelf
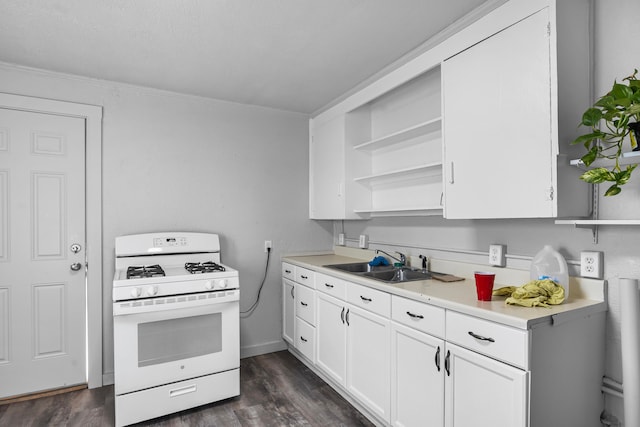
<point>416,211</point>
<point>592,222</point>
<point>415,172</point>
<point>628,158</point>
<point>402,135</point>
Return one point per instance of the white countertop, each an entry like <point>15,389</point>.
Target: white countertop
<point>586,296</point>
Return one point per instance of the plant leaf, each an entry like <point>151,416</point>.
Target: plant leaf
<point>613,190</point>
<point>588,158</point>
<point>587,138</point>
<point>591,117</point>
<point>597,176</point>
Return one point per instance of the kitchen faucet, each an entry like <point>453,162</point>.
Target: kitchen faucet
<point>402,259</point>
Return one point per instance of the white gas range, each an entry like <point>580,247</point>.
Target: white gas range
<point>176,324</point>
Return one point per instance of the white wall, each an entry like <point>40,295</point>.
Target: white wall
<point>616,56</point>
<point>173,162</point>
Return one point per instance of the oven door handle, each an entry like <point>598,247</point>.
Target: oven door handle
<point>183,390</point>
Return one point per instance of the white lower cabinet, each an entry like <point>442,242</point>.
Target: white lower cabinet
<point>288,310</point>
<point>482,392</point>
<point>409,363</point>
<point>417,380</point>
<point>368,368</point>
<point>331,333</point>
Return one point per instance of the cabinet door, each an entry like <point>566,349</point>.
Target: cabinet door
<point>417,378</point>
<point>499,152</point>
<point>327,169</point>
<point>482,392</point>
<point>368,360</point>
<point>288,310</point>
<point>331,337</point>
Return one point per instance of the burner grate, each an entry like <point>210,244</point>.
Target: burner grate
<point>203,267</point>
<point>134,271</point>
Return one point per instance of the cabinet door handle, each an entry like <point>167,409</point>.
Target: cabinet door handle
<point>451,174</point>
<point>304,304</point>
<point>328,285</point>
<point>365,299</point>
<point>304,277</point>
<point>481,338</point>
<point>347,317</point>
<point>447,363</point>
<point>438,358</point>
<point>415,316</point>
<point>292,296</point>
<point>342,315</point>
<point>303,339</point>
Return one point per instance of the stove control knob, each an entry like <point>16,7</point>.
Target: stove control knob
<point>152,290</point>
<point>222,283</point>
<point>135,292</point>
<point>209,285</point>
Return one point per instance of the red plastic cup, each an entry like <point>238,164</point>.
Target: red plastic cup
<point>484,284</point>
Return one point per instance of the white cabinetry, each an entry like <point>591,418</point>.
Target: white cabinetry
<point>298,310</point>
<point>288,302</point>
<point>510,105</point>
<point>417,364</point>
<point>481,391</point>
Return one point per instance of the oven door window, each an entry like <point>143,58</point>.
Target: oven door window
<point>178,339</point>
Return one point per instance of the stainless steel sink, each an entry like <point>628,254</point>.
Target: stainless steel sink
<point>404,275</point>
<point>385,273</point>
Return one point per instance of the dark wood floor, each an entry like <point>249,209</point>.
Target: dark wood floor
<point>276,390</point>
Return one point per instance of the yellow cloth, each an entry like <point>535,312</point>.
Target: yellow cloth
<point>537,293</point>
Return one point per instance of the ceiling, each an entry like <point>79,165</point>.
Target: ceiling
<point>295,55</point>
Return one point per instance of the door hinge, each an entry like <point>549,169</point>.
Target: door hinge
<point>549,29</point>
<point>550,194</point>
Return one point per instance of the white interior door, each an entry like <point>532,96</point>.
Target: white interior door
<point>42,279</point>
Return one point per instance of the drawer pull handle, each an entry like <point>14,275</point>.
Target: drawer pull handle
<point>328,285</point>
<point>342,315</point>
<point>438,358</point>
<point>447,363</point>
<point>288,271</point>
<point>481,338</point>
<point>415,316</point>
<point>184,390</point>
<point>365,299</point>
<point>304,304</point>
<point>304,277</point>
<point>303,339</point>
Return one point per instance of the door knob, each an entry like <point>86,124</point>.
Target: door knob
<point>76,266</point>
<point>75,248</point>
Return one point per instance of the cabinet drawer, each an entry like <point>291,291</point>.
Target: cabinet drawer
<point>370,299</point>
<point>288,271</point>
<point>501,342</point>
<point>331,285</point>
<point>305,339</point>
<point>305,276</point>
<point>306,304</point>
<point>423,317</point>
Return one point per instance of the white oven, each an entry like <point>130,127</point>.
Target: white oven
<point>176,331</point>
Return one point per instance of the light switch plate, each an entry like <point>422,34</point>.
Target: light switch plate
<point>341,239</point>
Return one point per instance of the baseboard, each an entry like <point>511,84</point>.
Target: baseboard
<point>264,348</point>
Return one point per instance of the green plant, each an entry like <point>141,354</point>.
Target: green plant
<point>618,111</point>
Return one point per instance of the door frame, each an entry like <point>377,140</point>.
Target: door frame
<point>92,115</point>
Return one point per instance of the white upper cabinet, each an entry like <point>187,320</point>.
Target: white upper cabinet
<point>477,126</point>
<point>506,132</point>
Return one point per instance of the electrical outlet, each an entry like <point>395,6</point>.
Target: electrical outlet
<point>591,264</point>
<point>267,245</point>
<point>363,242</point>
<point>341,239</point>
<point>497,255</point>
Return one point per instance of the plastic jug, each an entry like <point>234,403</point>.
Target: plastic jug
<point>549,264</point>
